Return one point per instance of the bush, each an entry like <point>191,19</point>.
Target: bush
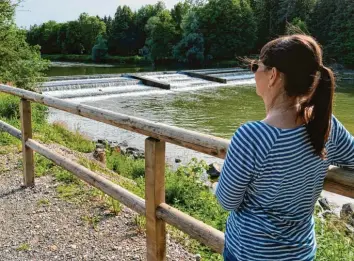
<point>99,51</point>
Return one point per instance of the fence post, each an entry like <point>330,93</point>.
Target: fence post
<point>26,129</point>
<point>154,196</point>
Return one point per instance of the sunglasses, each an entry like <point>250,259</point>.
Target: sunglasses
<point>254,66</point>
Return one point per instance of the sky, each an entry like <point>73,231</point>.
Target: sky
<point>38,11</point>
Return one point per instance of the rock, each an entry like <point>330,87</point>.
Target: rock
<point>214,170</point>
<point>135,153</point>
<point>104,142</point>
<point>327,213</point>
<point>347,213</point>
<point>123,144</point>
<point>214,186</point>
<point>100,155</point>
<point>198,257</point>
<point>324,204</point>
<point>177,160</point>
<point>350,229</point>
<point>53,248</point>
<point>100,146</point>
<point>73,246</point>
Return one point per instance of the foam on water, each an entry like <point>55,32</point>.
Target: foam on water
<point>103,88</point>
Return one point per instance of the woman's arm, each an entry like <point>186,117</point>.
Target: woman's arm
<point>343,154</point>
<point>237,169</point>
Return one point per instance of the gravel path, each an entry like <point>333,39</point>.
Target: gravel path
<point>36,224</point>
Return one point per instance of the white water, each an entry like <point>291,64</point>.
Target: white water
<point>80,90</point>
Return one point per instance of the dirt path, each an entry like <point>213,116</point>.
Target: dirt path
<point>36,224</point>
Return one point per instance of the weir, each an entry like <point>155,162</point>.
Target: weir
<point>76,87</point>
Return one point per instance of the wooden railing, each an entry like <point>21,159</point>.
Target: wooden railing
<point>155,209</point>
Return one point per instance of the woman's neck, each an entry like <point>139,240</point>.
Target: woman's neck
<point>283,114</point>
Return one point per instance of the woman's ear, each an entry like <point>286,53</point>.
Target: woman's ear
<point>274,76</point>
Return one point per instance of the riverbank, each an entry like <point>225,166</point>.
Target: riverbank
<point>117,60</point>
<point>183,187</point>
<point>134,60</point>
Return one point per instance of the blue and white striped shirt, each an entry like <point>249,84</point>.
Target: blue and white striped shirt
<point>270,181</point>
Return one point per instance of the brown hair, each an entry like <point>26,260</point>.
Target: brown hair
<point>299,58</point>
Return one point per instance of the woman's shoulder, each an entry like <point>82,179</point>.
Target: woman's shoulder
<point>257,135</point>
<point>257,130</point>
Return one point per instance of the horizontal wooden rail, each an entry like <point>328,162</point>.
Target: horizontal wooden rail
<point>189,139</point>
<point>208,235</point>
<point>10,130</point>
<point>204,233</point>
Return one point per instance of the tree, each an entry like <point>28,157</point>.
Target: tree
<point>321,20</point>
<point>191,48</point>
<point>73,44</point>
<point>229,28</point>
<point>161,36</point>
<point>122,32</point>
<point>140,20</point>
<point>91,27</point>
<point>99,51</point>
<point>20,63</point>
<point>340,46</point>
<point>178,12</point>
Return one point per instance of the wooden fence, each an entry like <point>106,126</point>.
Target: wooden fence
<point>157,212</point>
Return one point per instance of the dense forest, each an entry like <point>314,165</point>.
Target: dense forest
<point>196,31</point>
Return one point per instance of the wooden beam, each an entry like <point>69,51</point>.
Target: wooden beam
<point>151,82</point>
<point>205,77</point>
<point>204,233</point>
<point>26,127</point>
<point>339,181</point>
<point>154,196</point>
<point>115,191</point>
<point>189,139</point>
<point>10,130</point>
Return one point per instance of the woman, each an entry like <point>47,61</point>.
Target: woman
<point>274,170</point>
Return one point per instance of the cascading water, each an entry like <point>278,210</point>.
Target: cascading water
<point>80,88</point>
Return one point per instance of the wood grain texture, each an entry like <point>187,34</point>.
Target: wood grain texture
<point>26,130</point>
<point>154,196</point>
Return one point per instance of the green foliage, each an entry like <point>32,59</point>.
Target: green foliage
<point>91,28</point>
<point>73,37</point>
<point>20,63</point>
<point>58,133</point>
<point>178,13</point>
<point>229,28</point>
<point>297,26</point>
<point>122,32</point>
<point>9,106</point>
<point>125,166</point>
<point>191,48</point>
<point>333,240</point>
<point>341,35</point>
<point>162,35</point>
<point>99,51</point>
<point>195,31</point>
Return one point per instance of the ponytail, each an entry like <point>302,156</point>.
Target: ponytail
<point>319,107</point>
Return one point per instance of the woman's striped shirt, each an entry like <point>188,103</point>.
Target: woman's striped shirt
<point>270,181</point>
